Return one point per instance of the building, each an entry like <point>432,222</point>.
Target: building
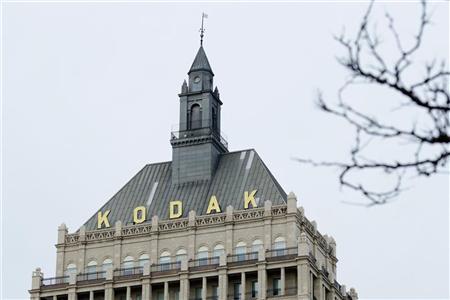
<point>210,224</point>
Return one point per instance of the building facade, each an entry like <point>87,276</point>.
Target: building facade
<point>210,224</point>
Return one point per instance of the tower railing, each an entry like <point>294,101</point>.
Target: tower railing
<point>197,129</point>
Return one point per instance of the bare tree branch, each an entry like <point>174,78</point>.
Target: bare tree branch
<point>429,96</point>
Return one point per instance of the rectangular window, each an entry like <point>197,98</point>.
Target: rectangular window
<point>276,286</point>
<point>254,289</point>
<point>237,291</point>
<point>177,295</point>
<point>198,293</point>
<point>214,292</point>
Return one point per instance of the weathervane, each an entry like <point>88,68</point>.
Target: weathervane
<point>202,30</point>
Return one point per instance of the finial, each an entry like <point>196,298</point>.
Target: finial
<point>202,30</point>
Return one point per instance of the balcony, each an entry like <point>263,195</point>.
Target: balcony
<point>55,282</point>
<point>91,277</point>
<point>199,129</point>
<point>126,273</point>
<point>242,259</point>
<point>165,268</point>
<point>281,254</point>
<point>253,295</point>
<point>275,293</point>
<point>203,263</point>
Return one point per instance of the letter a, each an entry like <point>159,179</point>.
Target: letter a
<point>213,205</point>
<point>103,219</point>
<point>179,209</point>
<point>250,198</point>
<point>138,219</point>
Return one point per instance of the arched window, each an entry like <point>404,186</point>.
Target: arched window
<point>180,255</point>
<point>280,246</point>
<point>164,260</point>
<point>240,250</point>
<point>91,267</point>
<point>128,265</point>
<point>144,259</point>
<point>70,270</point>
<point>202,255</point>
<point>219,249</point>
<point>195,117</point>
<point>91,270</point>
<point>214,119</point>
<point>256,245</point>
<point>107,264</point>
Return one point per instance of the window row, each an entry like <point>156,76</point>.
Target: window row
<point>166,257</point>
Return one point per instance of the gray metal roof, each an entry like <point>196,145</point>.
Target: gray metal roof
<point>201,62</point>
<point>152,187</point>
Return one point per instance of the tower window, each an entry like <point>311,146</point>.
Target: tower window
<point>195,121</point>
<point>214,119</point>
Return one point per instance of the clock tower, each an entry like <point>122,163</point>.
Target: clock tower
<point>197,142</point>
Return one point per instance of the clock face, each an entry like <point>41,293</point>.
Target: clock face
<point>197,79</point>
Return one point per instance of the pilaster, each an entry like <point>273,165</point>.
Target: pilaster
<point>318,288</point>
<point>243,285</point>
<point>146,289</point>
<point>72,294</point>
<point>166,290</point>
<point>154,236</point>
<point>204,288</point>
<point>60,247</point>
<point>117,260</point>
<point>291,221</point>
<point>184,286</point>
<point>282,281</point>
<point>82,249</point>
<point>192,235</point>
<point>223,284</point>
<point>267,225</point>
<point>128,295</point>
<point>262,281</point>
<point>229,230</point>
<point>109,291</point>
<point>303,280</point>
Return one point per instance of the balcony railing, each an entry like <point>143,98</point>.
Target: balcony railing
<point>197,129</point>
<point>280,254</point>
<point>234,297</point>
<point>312,258</point>
<point>253,295</point>
<point>204,263</point>
<point>273,292</point>
<point>166,267</point>
<point>244,258</point>
<point>325,272</point>
<point>55,280</point>
<point>290,291</point>
<point>337,285</point>
<point>125,272</point>
<point>91,276</point>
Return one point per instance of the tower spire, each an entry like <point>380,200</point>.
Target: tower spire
<point>202,29</point>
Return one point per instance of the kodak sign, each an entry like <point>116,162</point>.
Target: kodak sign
<point>176,209</point>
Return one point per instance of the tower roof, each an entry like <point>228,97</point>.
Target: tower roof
<point>201,62</point>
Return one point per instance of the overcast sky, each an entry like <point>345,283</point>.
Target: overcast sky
<point>90,94</point>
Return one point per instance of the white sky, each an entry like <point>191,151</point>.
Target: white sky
<point>90,94</point>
